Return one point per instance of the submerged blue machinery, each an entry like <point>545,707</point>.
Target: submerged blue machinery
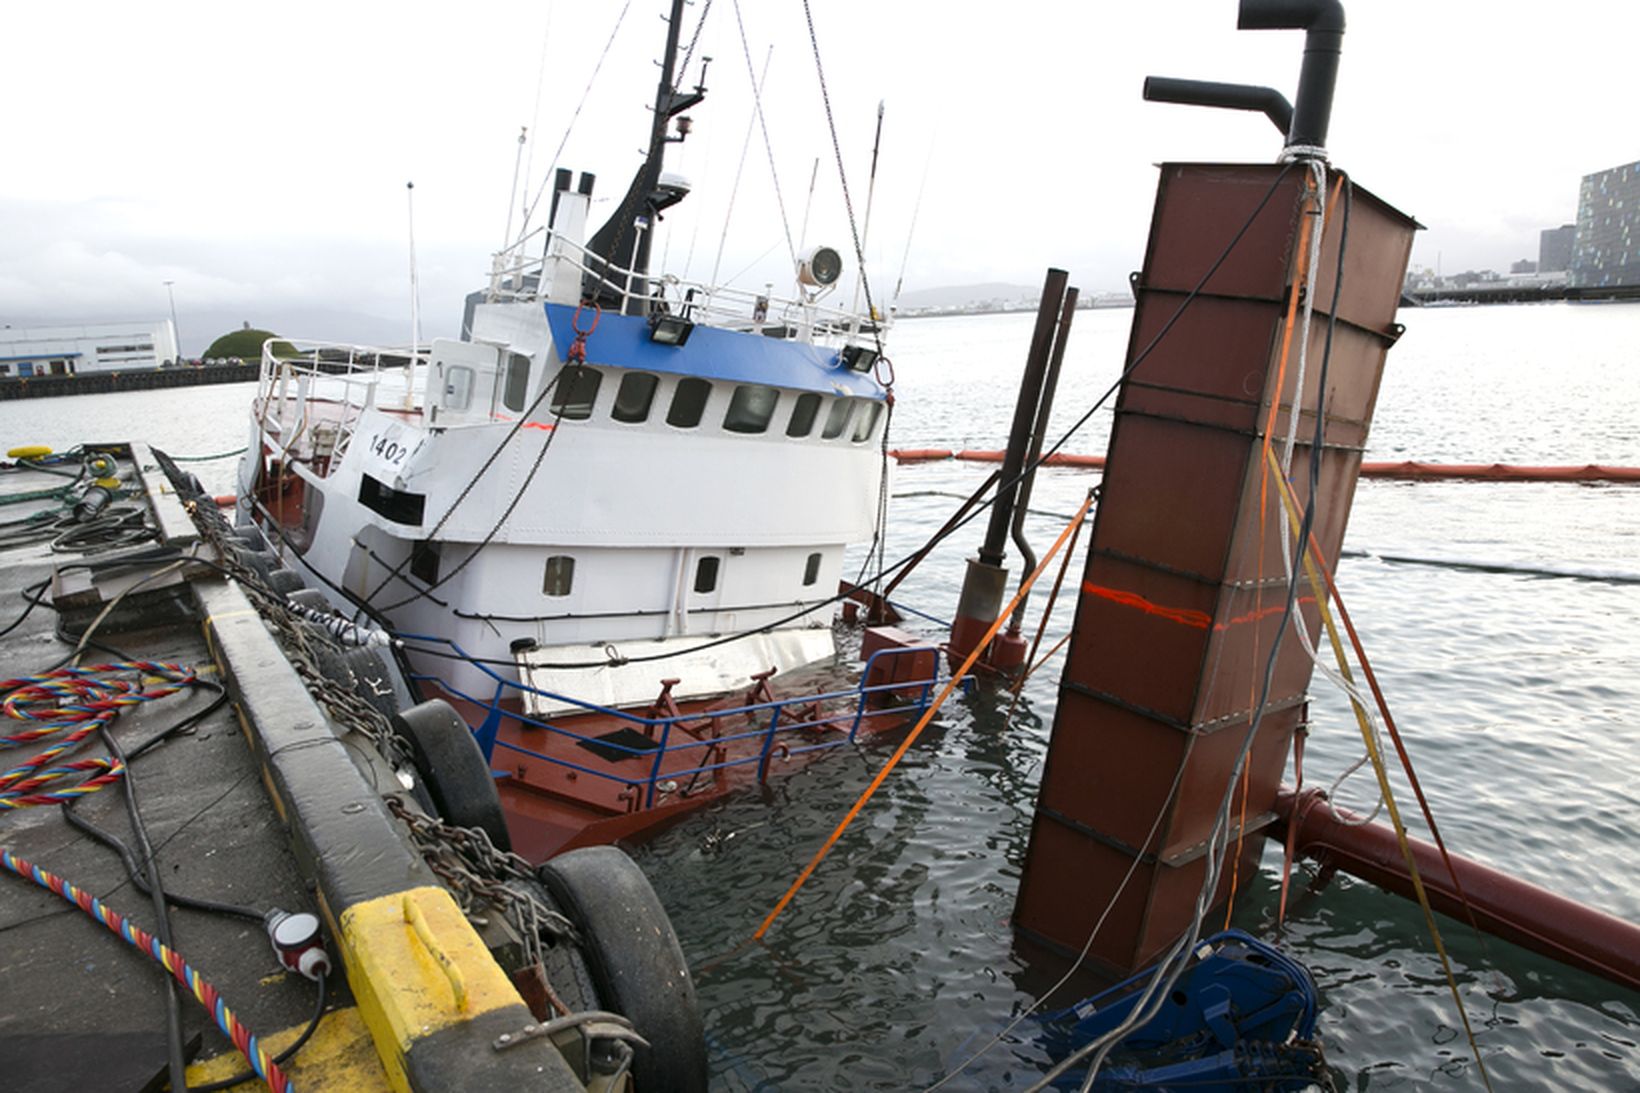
<point>1241,1017</point>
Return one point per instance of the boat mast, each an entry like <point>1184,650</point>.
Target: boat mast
<point>624,240</point>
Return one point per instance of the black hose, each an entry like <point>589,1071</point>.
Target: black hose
<point>135,873</point>
<point>280,1059</point>
<point>162,923</point>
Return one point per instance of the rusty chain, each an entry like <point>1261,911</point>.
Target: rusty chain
<point>474,870</point>
<point>471,866</point>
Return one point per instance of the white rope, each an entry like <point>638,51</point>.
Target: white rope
<point>1294,152</point>
<point>341,629</point>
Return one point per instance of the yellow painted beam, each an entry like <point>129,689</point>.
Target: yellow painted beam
<point>400,971</point>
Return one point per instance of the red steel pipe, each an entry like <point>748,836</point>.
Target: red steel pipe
<point>1512,909</point>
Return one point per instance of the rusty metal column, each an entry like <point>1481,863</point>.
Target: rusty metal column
<point>986,582</point>
<point>1184,587</point>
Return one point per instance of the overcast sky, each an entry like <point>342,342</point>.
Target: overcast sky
<point>257,155</point>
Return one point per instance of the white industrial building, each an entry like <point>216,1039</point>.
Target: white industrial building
<point>86,348</point>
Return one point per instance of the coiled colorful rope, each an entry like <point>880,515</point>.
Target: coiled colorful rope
<point>70,704</point>
<point>247,1043</point>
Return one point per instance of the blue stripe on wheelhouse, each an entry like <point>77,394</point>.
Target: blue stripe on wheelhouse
<point>622,341</point>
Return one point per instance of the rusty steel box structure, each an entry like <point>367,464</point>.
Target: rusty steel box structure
<point>1184,588</point>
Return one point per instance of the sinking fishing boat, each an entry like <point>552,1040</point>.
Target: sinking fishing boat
<point>608,522</point>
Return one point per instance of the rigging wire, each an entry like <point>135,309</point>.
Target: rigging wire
<point>842,177</point>
<point>1375,751</point>
<point>745,149</point>
<point>1087,945</point>
<point>1176,960</point>
<point>535,124</point>
<point>575,116</point>
<point>689,51</point>
<point>472,483</point>
<point>916,730</point>
<point>768,146</point>
<point>871,198</point>
<point>808,204</point>
<point>911,231</point>
<point>1138,359</point>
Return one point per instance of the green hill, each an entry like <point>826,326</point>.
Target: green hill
<point>246,344</point>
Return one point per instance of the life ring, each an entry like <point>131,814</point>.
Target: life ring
<point>452,767</point>
<point>635,962</point>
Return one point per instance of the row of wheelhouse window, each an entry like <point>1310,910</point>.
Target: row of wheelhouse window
<point>753,407</point>
<point>559,576</point>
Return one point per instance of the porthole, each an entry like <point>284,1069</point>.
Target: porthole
<point>559,577</point>
<point>706,574</point>
<point>811,571</point>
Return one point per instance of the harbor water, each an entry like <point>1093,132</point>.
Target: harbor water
<point>1517,694</point>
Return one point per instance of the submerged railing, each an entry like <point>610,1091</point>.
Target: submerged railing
<point>785,717</point>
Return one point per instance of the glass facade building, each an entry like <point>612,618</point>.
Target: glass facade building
<point>1606,250</point>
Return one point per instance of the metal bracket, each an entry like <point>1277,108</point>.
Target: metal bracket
<point>591,1024</point>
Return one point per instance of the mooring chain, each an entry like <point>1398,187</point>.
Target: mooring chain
<point>476,870</point>
<point>343,706</point>
<point>463,858</point>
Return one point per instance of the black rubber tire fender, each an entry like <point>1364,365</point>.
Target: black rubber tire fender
<point>285,581</point>
<point>453,768</point>
<point>635,962</point>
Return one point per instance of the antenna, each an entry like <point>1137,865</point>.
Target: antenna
<point>512,196</point>
<point>415,298</point>
<point>803,232</point>
<point>871,194</point>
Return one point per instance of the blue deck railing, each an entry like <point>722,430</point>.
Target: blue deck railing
<point>773,722</point>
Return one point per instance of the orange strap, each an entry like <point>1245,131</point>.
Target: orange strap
<point>922,723</point>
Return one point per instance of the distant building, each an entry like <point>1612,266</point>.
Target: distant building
<point>1525,265</point>
<point>1555,248</point>
<point>1606,252</point>
<point>86,348</point>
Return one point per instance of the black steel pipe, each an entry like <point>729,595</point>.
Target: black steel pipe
<point>1229,96</point>
<point>1323,24</point>
<point>1039,433</point>
<point>1019,436</point>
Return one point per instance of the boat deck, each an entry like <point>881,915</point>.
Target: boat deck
<point>601,775</point>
